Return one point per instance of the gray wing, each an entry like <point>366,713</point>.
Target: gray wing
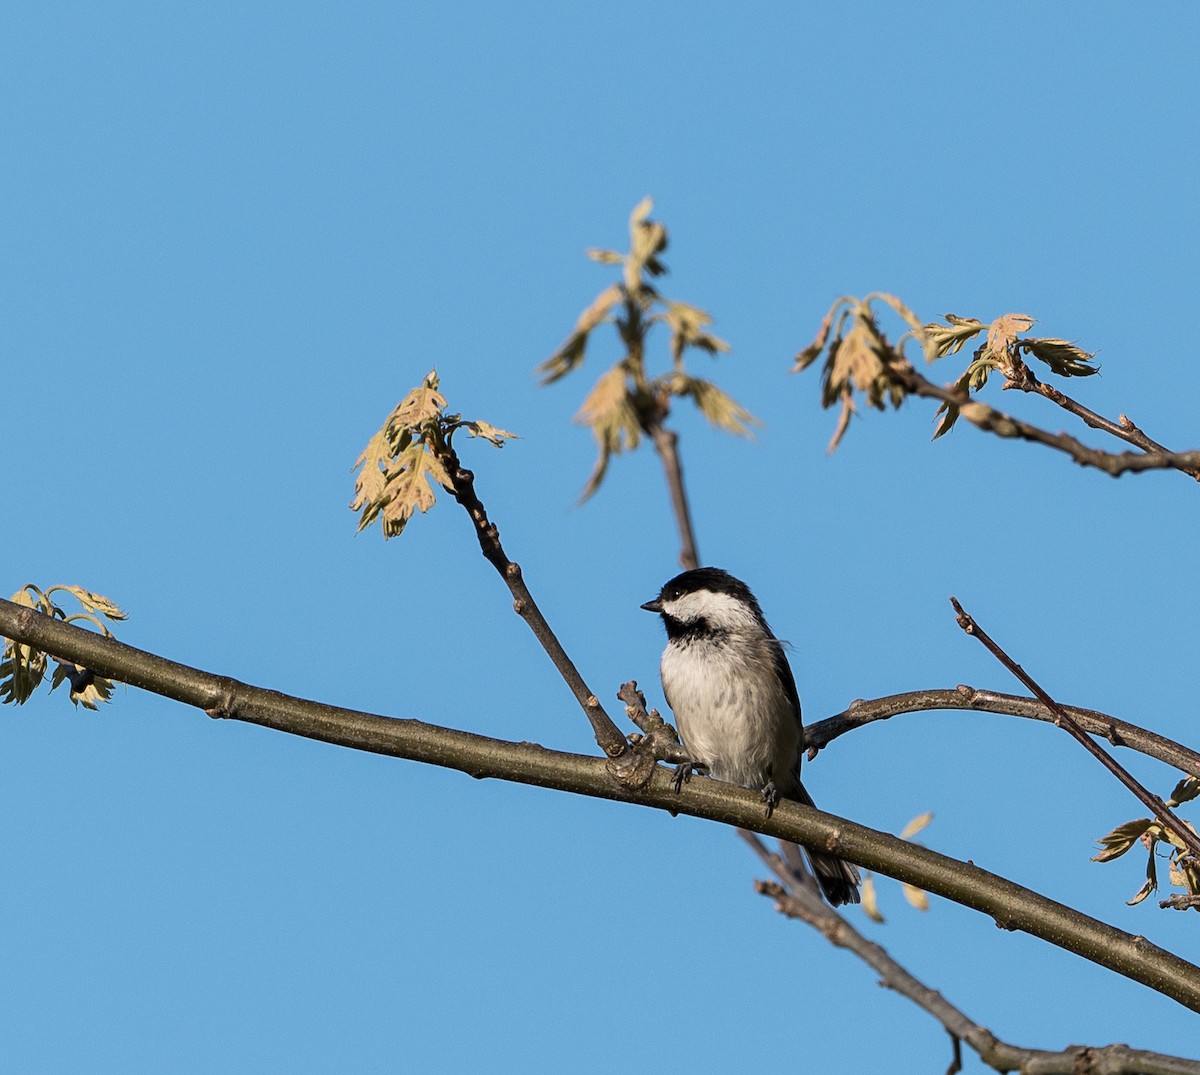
<point>786,680</point>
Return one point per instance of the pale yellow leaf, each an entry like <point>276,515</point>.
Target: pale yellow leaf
<point>487,431</point>
<point>641,211</point>
<point>421,405</point>
<point>916,825</point>
<point>870,902</point>
<point>607,396</point>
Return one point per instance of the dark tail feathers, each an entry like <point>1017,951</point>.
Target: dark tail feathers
<point>839,880</point>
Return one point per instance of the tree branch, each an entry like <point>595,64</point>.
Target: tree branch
<point>796,899</point>
<point>987,418</point>
<point>1009,904</point>
<point>1120,733</point>
<point>1019,376</point>
<point>608,736</point>
<point>666,443</point>
<point>1151,801</point>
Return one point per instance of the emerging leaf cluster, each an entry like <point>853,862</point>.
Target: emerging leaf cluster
<point>22,668</point>
<point>400,464</point>
<point>1002,350</point>
<point>1183,870</point>
<point>626,402</point>
<point>859,358</point>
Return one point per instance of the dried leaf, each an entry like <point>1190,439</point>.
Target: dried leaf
<point>1185,791</point>
<point>489,432</point>
<point>916,825</point>
<point>843,423</point>
<point>1173,838</point>
<point>641,211</point>
<point>93,602</point>
<point>1175,874</point>
<point>721,409</point>
<point>605,257</point>
<point>1122,838</point>
<point>916,329</point>
<point>806,357</point>
<point>1149,886</point>
<point>21,672</point>
<point>372,477</point>
<point>610,413</point>
<point>870,902</point>
<point>948,339</point>
<point>608,395</point>
<point>915,896</point>
<point>423,404</point>
<point>407,489</point>
<point>1151,880</point>
<point>1063,357</point>
<point>1002,338</point>
<point>687,324</point>
<point>949,415</point>
<point>571,354</point>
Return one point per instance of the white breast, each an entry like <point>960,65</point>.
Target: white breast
<point>732,714</point>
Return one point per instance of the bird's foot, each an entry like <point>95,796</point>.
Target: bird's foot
<point>770,794</point>
<point>683,773</point>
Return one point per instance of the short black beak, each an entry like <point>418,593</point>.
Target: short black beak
<point>653,606</point>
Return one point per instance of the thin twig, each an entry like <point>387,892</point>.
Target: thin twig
<point>1181,902</point>
<point>608,735</point>
<point>794,898</point>
<point>1019,376</point>
<point>666,443</point>
<point>659,738</point>
<point>1153,803</point>
<point>989,419</point>
<point>1010,905</point>
<point>1118,732</point>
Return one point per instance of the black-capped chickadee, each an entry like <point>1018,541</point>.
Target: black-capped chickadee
<point>727,680</point>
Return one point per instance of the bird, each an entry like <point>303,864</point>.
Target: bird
<point>728,682</point>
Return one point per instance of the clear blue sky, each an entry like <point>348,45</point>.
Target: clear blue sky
<point>235,235</point>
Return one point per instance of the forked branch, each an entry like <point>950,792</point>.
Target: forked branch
<point>796,899</point>
<point>1063,719</point>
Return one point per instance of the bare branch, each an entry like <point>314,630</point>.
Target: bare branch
<point>1019,376</point>
<point>794,898</point>
<point>666,443</point>
<point>1010,905</point>
<point>1118,732</point>
<point>1181,902</point>
<point>1152,802</point>
<point>985,417</point>
<point>659,739</point>
<point>608,736</point>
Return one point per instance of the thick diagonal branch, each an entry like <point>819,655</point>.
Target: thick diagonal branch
<point>1009,904</point>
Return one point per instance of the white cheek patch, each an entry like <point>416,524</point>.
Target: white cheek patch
<point>721,611</point>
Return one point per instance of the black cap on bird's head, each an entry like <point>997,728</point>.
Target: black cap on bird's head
<point>710,579</point>
<point>728,595</point>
